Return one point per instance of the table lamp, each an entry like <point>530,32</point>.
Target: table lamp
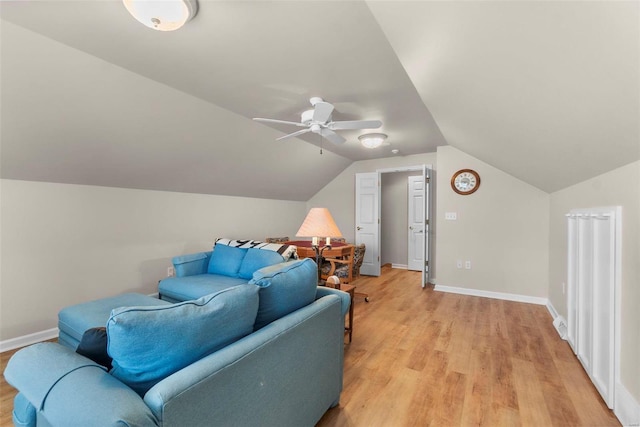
<point>319,223</point>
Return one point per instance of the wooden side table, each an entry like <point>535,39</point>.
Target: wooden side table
<point>350,289</point>
<point>305,250</point>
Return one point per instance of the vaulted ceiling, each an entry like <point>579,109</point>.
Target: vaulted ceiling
<point>546,91</point>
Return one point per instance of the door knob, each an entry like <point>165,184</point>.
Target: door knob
<point>358,228</point>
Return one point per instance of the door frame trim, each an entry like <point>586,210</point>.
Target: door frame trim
<point>417,168</point>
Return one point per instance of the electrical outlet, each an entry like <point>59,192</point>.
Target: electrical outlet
<point>171,272</point>
<point>467,265</point>
<point>459,263</point>
<point>451,216</point>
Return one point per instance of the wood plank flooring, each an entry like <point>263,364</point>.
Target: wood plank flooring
<point>426,358</point>
<point>7,393</point>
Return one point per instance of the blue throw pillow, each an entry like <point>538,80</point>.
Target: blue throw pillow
<point>284,288</point>
<point>256,259</point>
<point>148,344</point>
<point>226,260</point>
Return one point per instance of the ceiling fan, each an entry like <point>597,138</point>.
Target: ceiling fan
<point>318,120</point>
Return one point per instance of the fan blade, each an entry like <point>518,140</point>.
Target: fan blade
<point>356,124</point>
<point>300,132</point>
<point>322,112</point>
<point>332,136</point>
<point>284,122</point>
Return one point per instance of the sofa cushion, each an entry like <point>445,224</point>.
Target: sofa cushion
<point>226,260</point>
<point>284,288</point>
<point>74,320</point>
<point>255,259</point>
<point>148,344</point>
<point>193,287</point>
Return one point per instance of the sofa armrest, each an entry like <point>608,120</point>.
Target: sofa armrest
<point>345,299</point>
<point>68,389</point>
<point>191,264</point>
<point>36,369</point>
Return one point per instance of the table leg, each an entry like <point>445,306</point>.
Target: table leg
<point>352,295</point>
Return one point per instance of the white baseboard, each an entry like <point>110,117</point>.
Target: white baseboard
<point>25,340</point>
<point>491,294</point>
<point>400,266</point>
<point>552,310</point>
<point>626,408</point>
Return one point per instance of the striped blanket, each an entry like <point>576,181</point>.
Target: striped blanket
<point>287,251</point>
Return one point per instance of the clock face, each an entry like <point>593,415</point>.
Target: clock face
<point>465,181</point>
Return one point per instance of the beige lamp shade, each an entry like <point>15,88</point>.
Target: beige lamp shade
<point>319,223</point>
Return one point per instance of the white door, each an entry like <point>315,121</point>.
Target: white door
<point>426,275</point>
<point>368,220</point>
<point>594,281</point>
<point>572,282</point>
<point>416,223</point>
<point>603,355</point>
<point>585,292</point>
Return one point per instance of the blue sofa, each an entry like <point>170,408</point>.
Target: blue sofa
<point>274,357</point>
<point>231,263</point>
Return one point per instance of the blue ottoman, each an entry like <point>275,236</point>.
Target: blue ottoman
<point>74,320</point>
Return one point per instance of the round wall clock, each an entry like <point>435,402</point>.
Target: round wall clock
<point>465,181</point>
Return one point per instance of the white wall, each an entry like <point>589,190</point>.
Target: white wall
<point>63,244</point>
<point>620,187</point>
<point>502,229</point>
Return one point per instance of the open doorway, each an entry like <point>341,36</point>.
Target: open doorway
<point>395,218</point>
<point>370,219</point>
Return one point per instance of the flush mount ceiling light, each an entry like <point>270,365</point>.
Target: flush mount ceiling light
<point>372,140</point>
<point>162,15</point>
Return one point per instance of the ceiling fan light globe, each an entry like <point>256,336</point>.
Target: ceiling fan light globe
<point>371,143</point>
<point>162,15</point>
<point>372,140</point>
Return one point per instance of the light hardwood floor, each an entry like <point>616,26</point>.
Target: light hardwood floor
<point>426,358</point>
